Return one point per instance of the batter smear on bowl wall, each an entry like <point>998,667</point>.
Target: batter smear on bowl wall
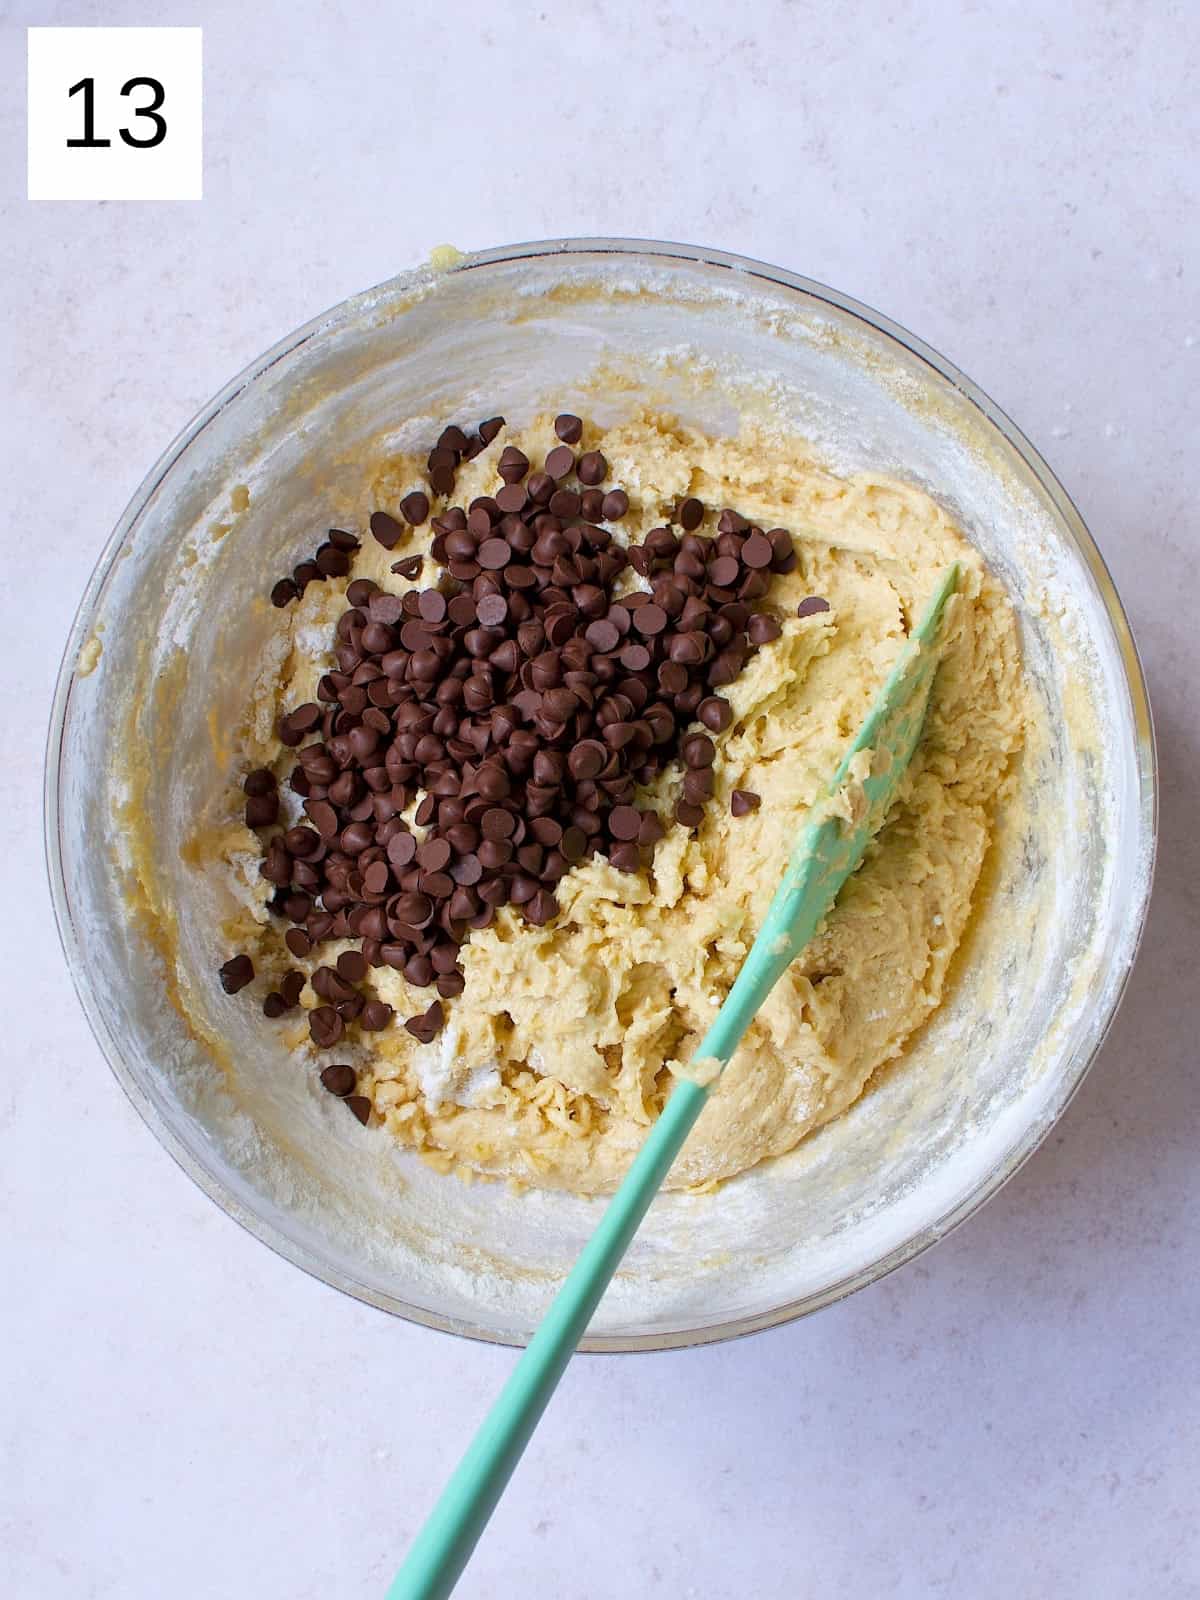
<point>530,738</point>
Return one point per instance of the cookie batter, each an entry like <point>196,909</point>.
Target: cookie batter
<point>561,1049</point>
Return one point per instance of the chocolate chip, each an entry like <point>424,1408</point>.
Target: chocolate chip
<point>414,508</point>
<point>492,782</point>
<point>810,606</point>
<point>409,568</point>
<point>513,464</point>
<point>236,973</point>
<point>386,530</point>
<point>690,514</point>
<point>497,824</point>
<point>688,815</point>
<point>591,468</point>
<point>542,908</point>
<point>376,878</point>
<point>339,1079</point>
<point>298,905</point>
<point>662,544</point>
<point>724,669</point>
<point>715,713</point>
<point>568,428</point>
<point>757,551</point>
<point>259,782</point>
<point>324,817</point>
<point>763,628</point>
<point>541,488</point>
<point>284,592</point>
<point>360,1106</point>
<point>512,499</point>
<point>782,549</point>
<point>743,801</point>
<point>277,867</point>
<point>494,554</point>
<point>431,603</point>
<point>262,810</point>
<point>672,677</point>
<point>428,1025</point>
<point>573,844</point>
<point>587,759</point>
<point>274,1005</point>
<point>565,504</point>
<point>298,942</point>
<point>624,822</point>
<point>352,966</point>
<point>603,635</point>
<point>687,649</point>
<point>489,429</point>
<point>325,1027</point>
<point>724,572</point>
<point>650,619</point>
<point>614,505</point>
<point>560,461</point>
<point>492,610</point>
<point>591,505</point>
<point>698,750</point>
<point>376,1015</point>
<point>698,784</point>
<point>418,970</point>
<point>305,718</point>
<point>522,889</point>
<point>330,984</point>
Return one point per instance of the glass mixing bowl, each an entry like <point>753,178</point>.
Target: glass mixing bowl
<point>168,630</point>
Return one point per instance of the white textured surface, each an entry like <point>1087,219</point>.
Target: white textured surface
<point>1016,1413</point>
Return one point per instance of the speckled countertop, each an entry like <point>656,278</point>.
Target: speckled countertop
<point>182,1413</point>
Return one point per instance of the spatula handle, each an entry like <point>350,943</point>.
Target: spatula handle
<point>443,1546</point>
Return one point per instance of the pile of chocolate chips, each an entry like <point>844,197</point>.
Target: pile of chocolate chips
<point>521,698</point>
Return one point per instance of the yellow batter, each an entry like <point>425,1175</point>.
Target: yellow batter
<point>561,1049</point>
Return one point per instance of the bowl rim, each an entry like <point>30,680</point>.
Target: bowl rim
<point>659,252</point>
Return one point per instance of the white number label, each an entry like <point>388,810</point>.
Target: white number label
<point>115,114</point>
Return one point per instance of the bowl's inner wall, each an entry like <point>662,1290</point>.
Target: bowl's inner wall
<point>1033,984</point>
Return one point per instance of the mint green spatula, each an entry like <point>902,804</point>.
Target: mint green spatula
<point>827,853</point>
